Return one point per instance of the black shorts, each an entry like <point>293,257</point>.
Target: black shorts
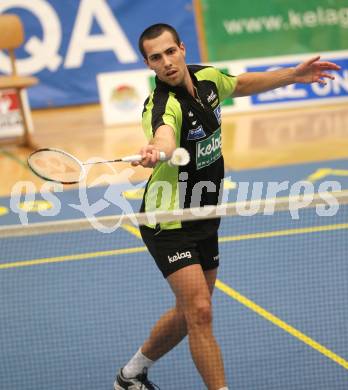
<point>175,249</point>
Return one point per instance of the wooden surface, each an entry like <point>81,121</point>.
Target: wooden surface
<point>249,140</point>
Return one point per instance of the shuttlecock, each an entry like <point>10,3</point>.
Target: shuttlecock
<point>180,157</point>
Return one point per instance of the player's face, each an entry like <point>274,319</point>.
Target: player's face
<point>166,59</point>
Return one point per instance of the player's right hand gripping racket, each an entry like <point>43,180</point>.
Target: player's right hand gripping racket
<point>61,167</point>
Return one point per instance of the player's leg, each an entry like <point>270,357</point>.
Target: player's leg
<point>171,328</point>
<point>171,251</point>
<point>162,339</point>
<point>194,299</point>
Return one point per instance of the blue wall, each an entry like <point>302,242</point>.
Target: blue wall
<point>68,42</point>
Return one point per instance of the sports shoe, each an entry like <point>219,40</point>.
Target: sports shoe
<point>140,382</point>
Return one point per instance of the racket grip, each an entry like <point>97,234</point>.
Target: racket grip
<point>137,157</point>
<point>163,156</point>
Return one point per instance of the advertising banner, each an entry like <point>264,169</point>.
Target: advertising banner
<point>251,29</point>
<point>10,116</point>
<point>122,94</point>
<point>68,42</point>
<point>333,89</point>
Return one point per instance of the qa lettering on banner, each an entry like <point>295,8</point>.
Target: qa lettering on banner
<point>44,53</point>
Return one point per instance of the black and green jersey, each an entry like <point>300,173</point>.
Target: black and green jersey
<point>197,126</point>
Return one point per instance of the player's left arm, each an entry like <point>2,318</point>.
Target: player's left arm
<point>307,72</point>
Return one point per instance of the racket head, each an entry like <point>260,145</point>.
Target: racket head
<point>56,165</point>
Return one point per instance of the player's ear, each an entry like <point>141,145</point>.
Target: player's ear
<point>146,62</point>
<point>182,48</point>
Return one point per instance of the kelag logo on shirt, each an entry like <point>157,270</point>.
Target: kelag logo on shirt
<point>208,150</point>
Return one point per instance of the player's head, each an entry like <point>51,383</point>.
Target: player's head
<point>164,53</point>
<point>155,31</point>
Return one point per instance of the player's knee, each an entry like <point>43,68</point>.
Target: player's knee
<point>200,313</point>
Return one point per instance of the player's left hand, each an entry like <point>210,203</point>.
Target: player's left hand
<point>314,70</point>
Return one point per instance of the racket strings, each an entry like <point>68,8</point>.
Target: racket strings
<point>59,166</point>
<point>56,165</point>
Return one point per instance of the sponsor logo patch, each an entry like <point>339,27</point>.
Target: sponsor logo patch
<point>215,102</point>
<point>196,133</point>
<point>179,256</point>
<point>212,96</point>
<point>208,150</point>
<point>217,113</point>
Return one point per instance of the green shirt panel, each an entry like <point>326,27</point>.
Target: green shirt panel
<point>162,193</point>
<point>225,84</point>
<point>172,116</point>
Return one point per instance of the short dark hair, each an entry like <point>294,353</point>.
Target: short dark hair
<point>155,31</point>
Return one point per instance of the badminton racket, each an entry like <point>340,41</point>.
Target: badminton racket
<point>61,167</point>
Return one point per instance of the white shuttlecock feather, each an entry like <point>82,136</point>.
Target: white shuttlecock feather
<point>180,157</point>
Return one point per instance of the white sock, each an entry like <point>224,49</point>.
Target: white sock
<point>224,388</point>
<point>136,365</point>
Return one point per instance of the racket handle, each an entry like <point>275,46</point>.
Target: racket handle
<point>163,156</point>
<point>137,157</point>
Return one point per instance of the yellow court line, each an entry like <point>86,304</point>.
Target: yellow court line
<point>258,309</point>
<point>131,229</point>
<point>81,256</point>
<point>220,285</point>
<point>286,232</point>
<point>276,233</point>
<point>281,324</point>
<point>135,231</point>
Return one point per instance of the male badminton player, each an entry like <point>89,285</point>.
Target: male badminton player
<point>184,110</point>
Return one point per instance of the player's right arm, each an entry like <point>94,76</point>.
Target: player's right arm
<point>163,141</point>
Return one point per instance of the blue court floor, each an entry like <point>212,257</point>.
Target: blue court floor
<point>76,306</point>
